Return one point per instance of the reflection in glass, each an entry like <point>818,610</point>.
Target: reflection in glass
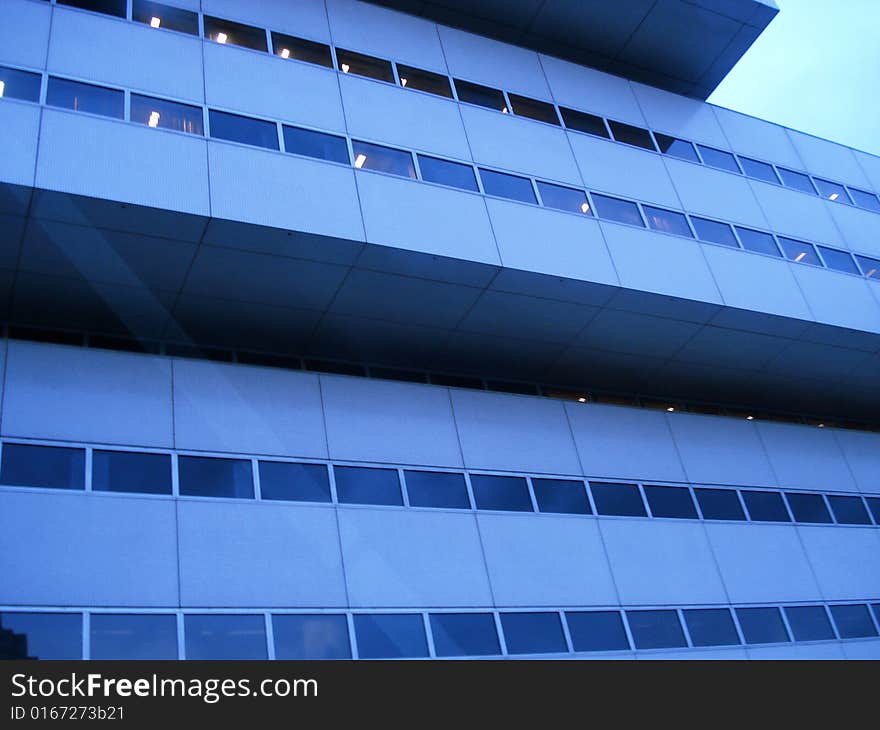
<point>383,159</point>
<point>225,636</point>
<point>311,636</point>
<point>56,467</point>
<point>363,485</point>
<point>208,477</point>
<point>533,633</point>
<point>85,98</point>
<point>158,113</point>
<point>133,636</point>
<point>444,172</point>
<point>501,493</point>
<point>236,128</point>
<point>319,145</point>
<point>507,186</point>
<point>390,636</point>
<point>125,471</point>
<point>289,481</point>
<point>40,635</point>
<point>464,634</point>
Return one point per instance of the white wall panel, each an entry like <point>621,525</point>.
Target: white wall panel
<point>24,33</point>
<point>860,228</point>
<point>844,560</point>
<point>827,159</point>
<point>862,452</point>
<point>304,18</point>
<point>680,116</point>
<point>759,139</point>
<point>20,122</point>
<point>796,214</point>
<point>838,299</point>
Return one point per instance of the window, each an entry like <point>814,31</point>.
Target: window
<point>561,496</point>
<point>362,65</point>
<point>55,467</point>
<point>809,623</point>
<point>583,122</point>
<point>405,376</point>
<point>628,134</point>
<point>436,489</point>
<point>714,232</point>
<point>464,634</point>
<point>839,260</point>
<point>655,629</point>
<point>718,159</point>
<point>108,7</point>
<point>383,159</point>
<point>225,636</point>
<point>597,631</point>
<point>133,636</point>
<point>85,98</point>
<point>617,499</point>
<point>311,636</point>
<point>206,477</point>
<point>671,502</point>
<point>15,84</point>
<point>319,145</point>
<point>235,128</point>
<point>480,95</point>
<point>711,627</point>
<point>848,510</point>
<point>853,621</point>
<point>507,186</point>
<point>615,209</point>
<point>762,625</point>
<point>799,251</point>
<point>796,180</point>
<point>808,508</point>
<point>444,172</point>
<point>758,170</point>
<point>870,267</point>
<point>540,111</point>
<point>765,506</point>
<point>874,506</point>
<point>719,504</point>
<point>865,200</point>
<point>40,635</point>
<point>126,471</point>
<point>667,221</point>
<point>157,15</point>
<point>831,190</point>
<point>390,636</point>
<point>363,485</point>
<point>235,34</point>
<point>758,241</point>
<point>288,481</point>
<point>501,493</point>
<point>300,49</point>
<point>533,633</point>
<point>167,114</point>
<point>676,147</point>
<point>562,198</point>
<point>414,78</point>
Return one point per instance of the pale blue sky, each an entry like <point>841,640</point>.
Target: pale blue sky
<point>815,68</point>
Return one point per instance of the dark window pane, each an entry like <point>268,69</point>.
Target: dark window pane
<point>444,172</point>
<point>390,636</point>
<point>583,122</point>
<point>615,209</point>
<point>533,633</point>
<point>206,477</point>
<point>676,147</point>
<point>319,145</point>
<point>43,466</point>
<point>831,190</point>
<point>225,636</point>
<point>85,98</point>
<point>506,386</point>
<point>799,251</point>
<point>839,260</point>
<point>667,221</point>
<point>711,627</point>
<point>456,381</point>
<point>235,34</point>
<point>849,510</point>
<point>124,471</point>
<point>617,499</point>
<point>561,496</point>
<point>718,158</point>
<point>796,180</point>
<point>629,134</point>
<point>507,186</point>
<point>363,65</point>
<point>40,635</point>
<point>719,504</point>
<point>870,267</point>
<point>405,376</point>
<point>562,198</point>
<point>808,507</point>
<point>758,170</point>
<point>533,109</point>
<point>167,114</point>
<point>108,7</point>
<point>853,621</point>
<point>655,629</point>
<point>758,241</point>
<point>480,95</point>
<point>464,634</point>
<point>714,231</point>
<point>158,15</point>
<point>809,623</point>
<point>762,625</point>
<point>336,368</point>
<point>311,636</point>
<point>875,607</point>
<point>133,636</point>
<point>383,159</point>
<point>501,493</point>
<point>415,78</point>
<point>596,630</point>
<point>362,485</point>
<point>765,506</point>
<point>300,49</point>
<point>15,84</point>
<point>294,482</point>
<point>236,128</point>
<point>874,506</point>
<point>436,489</point>
<point>868,201</point>
<point>670,502</point>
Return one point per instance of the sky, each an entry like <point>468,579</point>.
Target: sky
<point>815,68</point>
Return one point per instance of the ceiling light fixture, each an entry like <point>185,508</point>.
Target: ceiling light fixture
<point>285,53</point>
<point>360,160</point>
<point>2,87</point>
<point>345,68</point>
<point>582,400</point>
<point>154,120</point>
<point>834,196</point>
<point>155,22</point>
<point>800,256</point>
<point>750,418</point>
<point>585,208</point>
<point>403,82</point>
<point>222,37</point>
<point>671,409</point>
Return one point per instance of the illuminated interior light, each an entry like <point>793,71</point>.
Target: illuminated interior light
<point>869,275</point>
<point>582,400</point>
<point>585,208</point>
<point>403,82</point>
<point>2,87</point>
<point>155,22</point>
<point>154,119</point>
<point>285,53</point>
<point>833,196</point>
<point>750,418</point>
<point>821,425</point>
<point>671,409</point>
<point>345,68</point>
<point>504,110</point>
<point>222,37</point>
<point>800,256</point>
<point>360,160</point>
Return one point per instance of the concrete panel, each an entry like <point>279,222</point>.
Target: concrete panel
<point>756,138</point>
<point>844,560</point>
<point>304,18</point>
<point>796,214</point>
<point>862,452</point>
<point>21,122</point>
<point>838,299</point>
<point>860,228</point>
<point>24,35</point>
<point>694,654</point>
<point>680,116</point>
<point>829,650</point>
<point>870,165</point>
<point>827,159</point>
<point>869,649</point>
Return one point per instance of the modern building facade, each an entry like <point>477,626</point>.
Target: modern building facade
<point>427,329</point>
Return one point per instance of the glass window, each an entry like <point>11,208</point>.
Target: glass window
<point>714,231</point>
<point>615,209</point>
<point>40,635</point>
<point>85,98</point>
<point>865,200</point>
<point>799,251</point>
<point>561,496</point>
<point>533,109</point>
<point>831,190</point>
<point>246,130</point>
<point>436,489</point>
<point>201,476</point>
<point>796,180</point>
<point>718,159</point>
<point>655,629</point>
<point>758,170</point>
<point>133,636</point>
<point>464,634</point>
<point>108,7</point>
<point>319,145</point>
<point>808,508</point>
<point>15,84</point>
<point>848,510</point>
<point>711,627</point>
<point>762,625</point>
<point>363,485</point>
<point>758,241</point>
<point>875,607</point>
<point>235,34</point>
<point>363,65</point>
<point>853,621</point>
<point>596,630</point>
<point>225,636</point>
<point>667,221</point>
<point>300,49</point>
<point>874,506</point>
<point>870,267</point>
<point>405,376</point>
<point>480,95</point>
<point>507,186</point>
<point>127,471</point>
<point>167,114</point>
<point>311,636</point>
<point>43,466</point>
<point>617,499</point>
<point>158,15</point>
<point>676,147</point>
<point>444,172</point>
<point>287,481</point>
<point>563,198</point>
<point>628,134</point>
<point>765,506</point>
<point>501,493</point>
<point>415,78</point>
<point>383,159</point>
<point>838,260</point>
<point>670,502</point>
<point>583,122</point>
<point>719,504</point>
<point>533,633</point>
<point>809,623</point>
<point>390,636</point>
